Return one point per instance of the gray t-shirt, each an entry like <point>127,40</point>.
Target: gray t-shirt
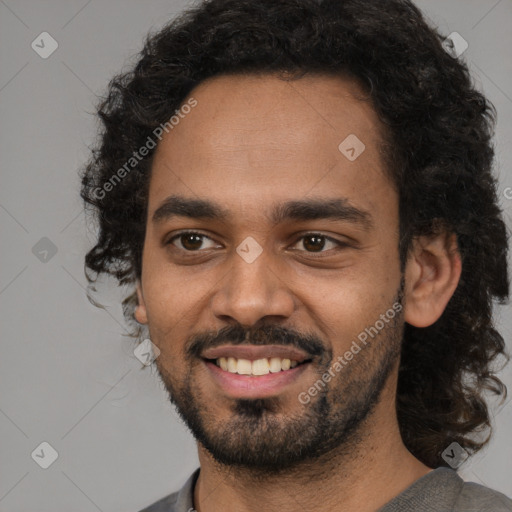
<point>441,490</point>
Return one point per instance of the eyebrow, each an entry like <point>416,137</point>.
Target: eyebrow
<point>298,210</point>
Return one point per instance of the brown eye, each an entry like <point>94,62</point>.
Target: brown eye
<point>190,241</point>
<point>314,243</point>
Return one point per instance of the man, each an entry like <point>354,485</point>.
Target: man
<point>301,193</point>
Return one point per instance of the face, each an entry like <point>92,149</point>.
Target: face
<point>265,243</point>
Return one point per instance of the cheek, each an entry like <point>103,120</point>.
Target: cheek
<point>346,306</point>
<point>174,298</point>
<point>348,302</point>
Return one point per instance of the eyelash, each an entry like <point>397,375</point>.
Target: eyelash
<point>328,238</point>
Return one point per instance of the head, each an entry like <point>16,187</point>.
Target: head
<point>352,156</point>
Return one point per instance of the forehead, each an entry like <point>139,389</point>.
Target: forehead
<point>256,136</point>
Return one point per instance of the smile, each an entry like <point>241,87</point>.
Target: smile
<point>235,385</point>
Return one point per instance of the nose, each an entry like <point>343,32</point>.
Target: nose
<point>253,291</point>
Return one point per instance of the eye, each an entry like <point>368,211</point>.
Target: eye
<point>190,241</point>
<point>193,241</point>
<point>316,242</point>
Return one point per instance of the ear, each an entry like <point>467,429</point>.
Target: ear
<point>432,274</point>
<point>140,310</point>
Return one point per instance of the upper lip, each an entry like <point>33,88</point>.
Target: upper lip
<point>253,352</point>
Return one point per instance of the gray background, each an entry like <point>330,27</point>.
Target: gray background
<point>68,375</point>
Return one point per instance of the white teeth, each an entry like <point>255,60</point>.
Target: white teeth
<point>257,367</point>
<point>244,367</point>
<point>232,366</point>
<point>275,364</point>
<point>260,367</point>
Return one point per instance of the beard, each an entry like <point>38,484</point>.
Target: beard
<point>259,436</point>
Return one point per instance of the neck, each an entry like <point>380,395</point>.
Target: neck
<point>363,476</point>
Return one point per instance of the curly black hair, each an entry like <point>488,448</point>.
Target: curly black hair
<point>440,156</point>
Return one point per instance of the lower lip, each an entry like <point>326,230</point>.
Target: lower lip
<point>248,386</point>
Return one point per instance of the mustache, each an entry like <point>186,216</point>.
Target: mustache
<point>263,335</point>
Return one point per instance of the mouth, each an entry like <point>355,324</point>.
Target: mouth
<point>256,368</point>
<point>255,372</point>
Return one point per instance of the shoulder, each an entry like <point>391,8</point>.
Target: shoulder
<point>179,501</point>
<point>167,504</point>
<point>478,498</point>
<point>443,490</point>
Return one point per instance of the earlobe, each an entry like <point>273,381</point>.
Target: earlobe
<point>431,277</point>
<point>140,310</point>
